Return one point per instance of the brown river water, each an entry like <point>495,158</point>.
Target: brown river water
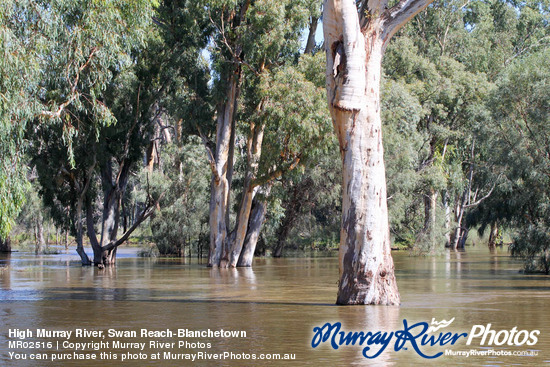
<point>277,303</point>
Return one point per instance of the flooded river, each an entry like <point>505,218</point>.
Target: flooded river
<point>277,304</point>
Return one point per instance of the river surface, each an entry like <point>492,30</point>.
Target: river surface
<point>277,303</point>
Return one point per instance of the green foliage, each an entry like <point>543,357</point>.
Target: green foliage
<point>297,123</point>
<point>532,245</point>
<point>521,111</point>
<point>57,55</point>
<point>185,182</point>
<point>19,69</point>
<point>401,115</point>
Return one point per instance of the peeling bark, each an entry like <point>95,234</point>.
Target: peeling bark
<point>355,43</point>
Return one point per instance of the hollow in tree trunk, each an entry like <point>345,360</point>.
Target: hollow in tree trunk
<point>355,40</point>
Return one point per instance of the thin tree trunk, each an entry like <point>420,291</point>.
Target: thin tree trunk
<point>461,232</point>
<point>493,235</point>
<point>152,155</point>
<point>79,234</point>
<point>257,218</point>
<point>39,249</point>
<point>447,219</point>
<point>430,207</point>
<point>355,42</point>
<point>293,208</point>
<point>458,232</point>
<point>310,45</point>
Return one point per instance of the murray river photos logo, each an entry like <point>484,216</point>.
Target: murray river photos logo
<point>418,337</point>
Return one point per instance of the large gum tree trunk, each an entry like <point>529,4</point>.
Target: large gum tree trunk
<point>220,186</point>
<point>355,42</point>
<point>254,151</point>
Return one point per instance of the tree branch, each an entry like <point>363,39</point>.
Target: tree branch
<point>74,94</point>
<point>483,198</point>
<point>260,181</point>
<point>400,14</point>
<point>209,155</point>
<point>146,213</point>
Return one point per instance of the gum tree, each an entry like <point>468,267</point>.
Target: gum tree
<point>255,43</point>
<point>356,36</point>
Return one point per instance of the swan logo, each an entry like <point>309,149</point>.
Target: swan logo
<point>439,325</point>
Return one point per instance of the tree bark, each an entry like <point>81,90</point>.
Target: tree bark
<point>447,207</point>
<point>219,162</point>
<point>430,207</point>
<point>310,45</point>
<point>254,151</point>
<point>79,233</point>
<point>40,242</point>
<point>461,232</point>
<point>257,218</point>
<point>355,43</point>
<point>493,235</point>
<point>113,191</point>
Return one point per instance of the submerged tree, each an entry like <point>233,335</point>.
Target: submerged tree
<point>356,36</point>
<point>79,94</point>
<point>253,42</point>
<point>521,111</point>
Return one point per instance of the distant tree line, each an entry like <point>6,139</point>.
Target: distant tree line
<point>203,127</point>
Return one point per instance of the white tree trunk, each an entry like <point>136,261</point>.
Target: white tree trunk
<point>219,200</point>
<point>355,42</point>
<point>254,152</point>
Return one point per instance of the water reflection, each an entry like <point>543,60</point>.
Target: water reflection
<point>278,302</point>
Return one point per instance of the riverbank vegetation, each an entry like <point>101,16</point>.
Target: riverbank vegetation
<point>202,127</point>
